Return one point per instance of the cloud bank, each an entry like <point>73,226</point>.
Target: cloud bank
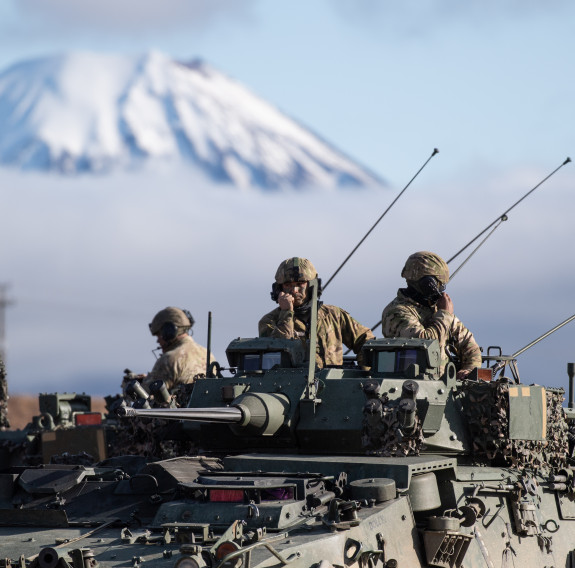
<point>91,260</point>
<point>416,17</point>
<point>129,16</point>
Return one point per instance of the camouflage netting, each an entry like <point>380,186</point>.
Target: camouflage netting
<point>487,405</point>
<point>382,432</point>
<point>571,436</point>
<point>4,422</point>
<point>146,437</point>
<point>150,437</point>
<point>66,458</point>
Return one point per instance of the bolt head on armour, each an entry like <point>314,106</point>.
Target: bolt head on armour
<point>170,314</point>
<point>295,269</point>
<point>425,263</point>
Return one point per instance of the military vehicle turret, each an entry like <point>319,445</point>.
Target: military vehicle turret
<point>397,464</point>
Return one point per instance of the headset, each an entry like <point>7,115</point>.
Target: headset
<point>277,288</point>
<point>169,330</point>
<point>431,288</point>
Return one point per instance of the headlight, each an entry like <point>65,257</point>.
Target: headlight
<point>188,562</point>
<point>226,548</point>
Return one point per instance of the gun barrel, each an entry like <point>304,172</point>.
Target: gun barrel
<point>226,415</point>
<point>251,414</point>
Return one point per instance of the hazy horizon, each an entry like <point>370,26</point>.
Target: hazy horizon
<point>91,260</point>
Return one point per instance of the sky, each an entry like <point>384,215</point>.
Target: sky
<point>491,84</point>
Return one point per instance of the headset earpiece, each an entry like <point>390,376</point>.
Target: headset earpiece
<point>168,331</point>
<point>276,289</point>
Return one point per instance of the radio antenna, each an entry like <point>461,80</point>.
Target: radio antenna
<point>505,212</point>
<point>497,222</point>
<point>502,364</point>
<point>435,151</point>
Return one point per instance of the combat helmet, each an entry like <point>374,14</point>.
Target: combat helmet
<point>425,263</point>
<point>295,269</point>
<point>170,322</point>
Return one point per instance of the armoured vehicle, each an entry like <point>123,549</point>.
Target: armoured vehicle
<point>66,424</point>
<point>392,465</point>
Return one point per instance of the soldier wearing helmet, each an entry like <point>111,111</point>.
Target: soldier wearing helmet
<point>291,319</point>
<point>425,311</point>
<point>182,358</point>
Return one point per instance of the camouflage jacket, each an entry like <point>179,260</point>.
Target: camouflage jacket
<point>334,328</point>
<point>405,317</point>
<point>180,363</point>
<point>4,422</point>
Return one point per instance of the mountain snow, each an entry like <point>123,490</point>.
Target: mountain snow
<point>87,112</point>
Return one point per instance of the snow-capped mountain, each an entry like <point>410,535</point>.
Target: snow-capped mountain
<point>86,112</point>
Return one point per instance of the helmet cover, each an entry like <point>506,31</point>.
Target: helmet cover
<point>425,263</point>
<point>295,269</point>
<point>169,315</point>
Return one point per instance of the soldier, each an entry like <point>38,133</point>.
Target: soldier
<point>291,319</point>
<point>182,358</point>
<point>4,422</point>
<point>425,311</point>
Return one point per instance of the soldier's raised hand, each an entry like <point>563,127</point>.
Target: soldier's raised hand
<point>285,301</point>
<point>445,303</point>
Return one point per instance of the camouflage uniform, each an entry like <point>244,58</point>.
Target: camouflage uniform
<point>406,317</point>
<point>334,325</point>
<point>4,422</point>
<point>180,363</point>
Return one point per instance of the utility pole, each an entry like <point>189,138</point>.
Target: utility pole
<point>4,303</point>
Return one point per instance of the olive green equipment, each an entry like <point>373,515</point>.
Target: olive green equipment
<point>65,424</point>
<point>407,466</point>
<point>396,464</point>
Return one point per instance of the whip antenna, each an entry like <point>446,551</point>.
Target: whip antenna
<point>503,218</point>
<point>497,222</point>
<point>505,212</point>
<point>435,151</point>
<point>501,364</point>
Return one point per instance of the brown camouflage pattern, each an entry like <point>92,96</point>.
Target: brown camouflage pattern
<point>152,438</point>
<point>148,437</point>
<point>382,434</point>
<point>404,317</point>
<point>334,328</point>
<point>4,422</point>
<point>145,437</point>
<point>425,263</point>
<point>180,363</point>
<point>295,269</point>
<point>487,406</point>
